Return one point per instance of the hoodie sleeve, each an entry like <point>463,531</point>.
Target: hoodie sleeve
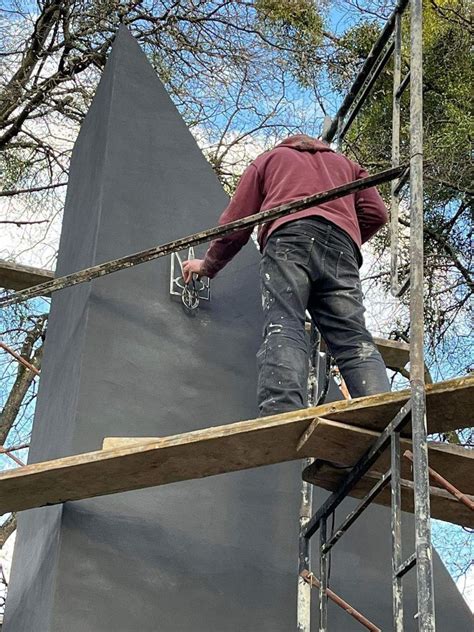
<point>246,201</point>
<point>370,208</point>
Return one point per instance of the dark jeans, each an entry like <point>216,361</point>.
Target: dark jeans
<point>311,264</point>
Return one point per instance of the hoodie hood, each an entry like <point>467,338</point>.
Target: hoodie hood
<point>302,142</point>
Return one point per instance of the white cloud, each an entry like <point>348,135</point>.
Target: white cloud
<point>465,585</point>
<point>6,556</point>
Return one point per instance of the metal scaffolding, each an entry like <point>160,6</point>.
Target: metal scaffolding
<point>388,45</point>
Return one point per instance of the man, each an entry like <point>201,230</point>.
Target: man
<point>311,262</point>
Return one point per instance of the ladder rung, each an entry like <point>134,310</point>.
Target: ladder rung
<point>406,566</point>
<point>402,180</point>
<point>402,86</point>
<point>402,288</point>
<point>355,513</point>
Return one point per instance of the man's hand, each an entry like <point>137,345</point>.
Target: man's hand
<point>190,267</point>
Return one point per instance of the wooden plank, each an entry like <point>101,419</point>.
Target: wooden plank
<point>181,457</point>
<point>14,276</point>
<point>395,354</point>
<point>443,505</point>
<point>345,444</point>
<point>449,406</point>
<point>201,453</point>
<point>109,443</point>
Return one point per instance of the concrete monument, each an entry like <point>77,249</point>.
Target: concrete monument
<point>124,359</point>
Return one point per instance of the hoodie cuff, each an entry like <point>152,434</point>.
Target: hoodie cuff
<point>207,271</point>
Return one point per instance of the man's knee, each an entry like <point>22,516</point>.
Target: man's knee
<point>285,333</point>
<point>356,352</point>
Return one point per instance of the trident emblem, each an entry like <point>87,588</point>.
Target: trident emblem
<point>193,292</point>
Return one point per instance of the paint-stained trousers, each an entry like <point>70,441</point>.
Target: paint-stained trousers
<point>310,264</point>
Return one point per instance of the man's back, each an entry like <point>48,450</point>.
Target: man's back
<point>301,166</point>
<point>297,167</point>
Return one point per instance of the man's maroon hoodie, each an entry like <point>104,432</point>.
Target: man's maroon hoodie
<point>298,167</point>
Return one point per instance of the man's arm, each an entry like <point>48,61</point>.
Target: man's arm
<point>246,201</point>
<point>370,208</point>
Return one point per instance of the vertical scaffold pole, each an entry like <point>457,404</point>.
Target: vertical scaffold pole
<point>396,519</point>
<point>396,513</point>
<point>303,611</point>
<point>304,587</point>
<point>323,574</point>
<point>394,199</point>
<point>424,568</point>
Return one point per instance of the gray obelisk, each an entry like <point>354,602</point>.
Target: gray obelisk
<point>124,359</point>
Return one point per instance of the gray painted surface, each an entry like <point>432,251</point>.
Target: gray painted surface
<point>123,358</point>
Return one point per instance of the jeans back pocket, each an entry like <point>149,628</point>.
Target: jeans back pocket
<point>293,248</point>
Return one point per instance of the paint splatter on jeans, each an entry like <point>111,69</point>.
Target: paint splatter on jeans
<point>310,264</point>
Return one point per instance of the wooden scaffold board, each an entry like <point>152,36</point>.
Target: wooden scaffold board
<point>130,463</point>
<point>444,506</point>
<point>15,276</point>
<point>342,444</point>
<point>395,354</point>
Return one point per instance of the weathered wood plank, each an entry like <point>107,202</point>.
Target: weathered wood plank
<point>443,505</point>
<point>201,453</point>
<point>110,443</point>
<point>345,444</point>
<point>449,406</point>
<point>14,276</point>
<point>188,456</point>
<point>395,354</point>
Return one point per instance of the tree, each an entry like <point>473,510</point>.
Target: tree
<point>448,206</point>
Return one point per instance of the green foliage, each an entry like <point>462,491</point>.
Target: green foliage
<point>447,110</point>
<point>298,22</point>
<point>13,167</point>
<point>353,47</point>
<point>447,97</point>
<point>296,15</point>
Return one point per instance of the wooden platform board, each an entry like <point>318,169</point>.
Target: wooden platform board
<point>443,505</point>
<point>395,354</point>
<point>14,276</point>
<point>449,406</point>
<point>215,450</point>
<point>344,444</point>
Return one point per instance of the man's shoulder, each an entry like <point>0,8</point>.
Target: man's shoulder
<point>287,157</point>
<point>288,154</point>
<point>275,154</point>
<point>343,162</point>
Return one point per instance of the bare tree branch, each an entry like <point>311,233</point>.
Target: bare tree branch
<point>20,222</point>
<point>46,187</point>
<point>23,379</point>
<point>7,528</point>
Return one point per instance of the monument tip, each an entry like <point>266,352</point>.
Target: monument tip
<point>123,33</point>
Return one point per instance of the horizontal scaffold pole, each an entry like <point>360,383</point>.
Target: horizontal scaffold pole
<point>82,276</point>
